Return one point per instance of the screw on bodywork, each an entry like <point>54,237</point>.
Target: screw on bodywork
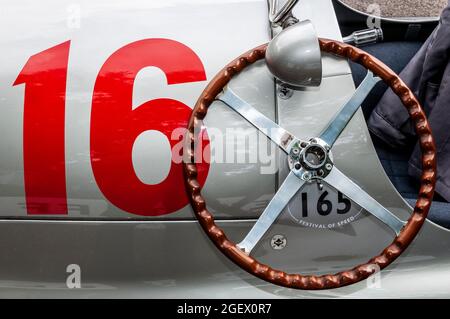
<point>284,92</point>
<point>278,242</point>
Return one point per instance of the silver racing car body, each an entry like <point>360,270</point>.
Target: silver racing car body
<point>95,99</point>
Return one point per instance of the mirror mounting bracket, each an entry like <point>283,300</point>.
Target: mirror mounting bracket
<point>289,20</point>
<point>281,15</point>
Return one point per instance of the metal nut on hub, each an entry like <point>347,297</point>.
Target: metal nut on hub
<point>328,166</point>
<point>306,176</point>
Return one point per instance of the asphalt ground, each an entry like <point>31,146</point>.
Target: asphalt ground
<point>400,8</point>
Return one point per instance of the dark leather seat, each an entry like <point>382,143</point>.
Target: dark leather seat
<point>395,162</point>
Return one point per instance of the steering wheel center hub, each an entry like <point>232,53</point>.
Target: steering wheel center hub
<point>311,159</point>
<point>314,156</point>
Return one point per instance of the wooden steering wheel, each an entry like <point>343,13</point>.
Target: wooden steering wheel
<point>312,160</point>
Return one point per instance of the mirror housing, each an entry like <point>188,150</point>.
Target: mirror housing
<point>294,56</point>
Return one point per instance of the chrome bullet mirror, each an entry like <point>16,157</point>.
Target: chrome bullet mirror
<point>294,55</point>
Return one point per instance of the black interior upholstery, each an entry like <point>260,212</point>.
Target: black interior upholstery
<point>395,161</point>
<point>395,55</point>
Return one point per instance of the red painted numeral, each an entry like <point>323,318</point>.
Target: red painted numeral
<point>115,126</point>
<point>44,76</point>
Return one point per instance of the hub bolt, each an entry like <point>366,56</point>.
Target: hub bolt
<point>306,176</point>
<point>328,166</point>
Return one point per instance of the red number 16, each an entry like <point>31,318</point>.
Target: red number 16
<point>114,127</point>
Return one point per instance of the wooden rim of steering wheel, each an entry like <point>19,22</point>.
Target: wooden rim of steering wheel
<point>360,272</point>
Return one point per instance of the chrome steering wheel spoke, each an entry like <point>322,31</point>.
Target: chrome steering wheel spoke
<point>291,185</point>
<point>272,130</point>
<point>341,119</point>
<point>341,182</point>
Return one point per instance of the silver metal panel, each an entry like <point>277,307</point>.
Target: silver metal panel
<point>146,259</point>
<point>209,28</point>
<point>175,258</point>
<point>240,181</point>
